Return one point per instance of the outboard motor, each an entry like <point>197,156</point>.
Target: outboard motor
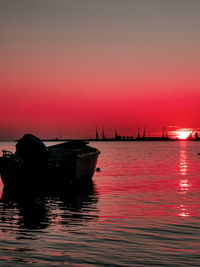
<point>32,151</point>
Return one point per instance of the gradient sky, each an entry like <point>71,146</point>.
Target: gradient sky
<point>67,66</point>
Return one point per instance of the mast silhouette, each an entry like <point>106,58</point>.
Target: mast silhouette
<point>138,135</point>
<point>163,132</point>
<point>97,135</point>
<point>144,133</point>
<point>116,135</point>
<point>103,135</point>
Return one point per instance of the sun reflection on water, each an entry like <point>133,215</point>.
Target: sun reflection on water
<point>183,212</point>
<point>183,162</point>
<point>184,185</point>
<point>184,182</point>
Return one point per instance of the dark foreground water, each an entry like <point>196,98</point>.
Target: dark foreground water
<point>142,210</point>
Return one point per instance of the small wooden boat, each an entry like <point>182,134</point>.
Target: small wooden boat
<point>35,165</point>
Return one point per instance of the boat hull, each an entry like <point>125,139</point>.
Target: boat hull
<point>78,170</point>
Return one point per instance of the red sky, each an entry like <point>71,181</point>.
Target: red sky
<point>69,66</point>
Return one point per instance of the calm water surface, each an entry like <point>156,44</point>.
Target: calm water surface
<point>142,210</point>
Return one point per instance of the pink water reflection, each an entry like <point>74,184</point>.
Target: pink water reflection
<point>183,160</point>
<point>184,183</point>
<point>164,186</point>
<point>183,211</point>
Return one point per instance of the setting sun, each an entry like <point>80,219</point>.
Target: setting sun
<point>183,134</point>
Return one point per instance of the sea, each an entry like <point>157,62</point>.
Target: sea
<point>142,209</point>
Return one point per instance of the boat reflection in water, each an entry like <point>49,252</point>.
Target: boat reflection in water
<point>39,210</point>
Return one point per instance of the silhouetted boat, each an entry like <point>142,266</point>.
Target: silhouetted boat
<point>33,164</point>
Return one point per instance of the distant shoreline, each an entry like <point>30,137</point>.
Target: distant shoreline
<point>154,139</point>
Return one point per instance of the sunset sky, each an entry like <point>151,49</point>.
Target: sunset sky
<point>67,66</point>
